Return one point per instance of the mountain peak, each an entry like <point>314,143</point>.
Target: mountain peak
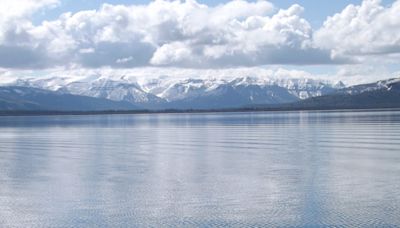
<point>190,92</point>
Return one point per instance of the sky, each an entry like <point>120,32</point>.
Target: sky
<point>315,11</point>
<point>353,41</point>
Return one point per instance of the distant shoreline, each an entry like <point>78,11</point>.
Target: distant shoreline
<point>188,111</point>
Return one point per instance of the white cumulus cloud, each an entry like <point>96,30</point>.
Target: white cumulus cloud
<point>162,33</point>
<point>362,30</point>
<point>187,34</point>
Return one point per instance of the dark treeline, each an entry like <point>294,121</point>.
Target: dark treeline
<point>177,111</point>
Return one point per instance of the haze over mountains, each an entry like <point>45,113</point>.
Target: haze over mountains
<point>96,93</point>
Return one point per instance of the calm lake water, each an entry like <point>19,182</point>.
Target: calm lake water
<point>209,170</point>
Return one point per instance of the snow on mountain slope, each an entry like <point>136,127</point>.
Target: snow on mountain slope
<point>110,89</point>
<point>158,92</point>
<point>188,88</point>
<point>383,84</point>
<point>16,98</point>
<point>118,89</point>
<point>381,94</point>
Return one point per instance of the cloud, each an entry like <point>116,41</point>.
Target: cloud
<point>23,8</point>
<point>188,34</point>
<point>163,33</point>
<point>116,54</point>
<point>284,38</point>
<point>18,48</point>
<point>362,30</point>
<point>15,19</point>
<point>21,57</point>
<point>348,74</point>
<point>144,74</point>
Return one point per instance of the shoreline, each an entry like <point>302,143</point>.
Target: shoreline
<point>190,111</point>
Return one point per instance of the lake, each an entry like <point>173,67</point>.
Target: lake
<point>301,169</point>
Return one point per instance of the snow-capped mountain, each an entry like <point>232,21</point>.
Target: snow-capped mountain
<point>379,85</point>
<point>113,90</point>
<point>237,91</point>
<point>168,92</point>
<point>28,98</point>
<point>381,94</point>
<point>121,89</point>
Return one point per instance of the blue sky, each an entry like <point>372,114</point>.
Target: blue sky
<point>361,42</point>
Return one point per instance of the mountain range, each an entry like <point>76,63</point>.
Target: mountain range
<point>382,94</point>
<point>96,93</point>
<point>25,98</point>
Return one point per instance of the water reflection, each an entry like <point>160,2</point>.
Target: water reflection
<point>233,169</point>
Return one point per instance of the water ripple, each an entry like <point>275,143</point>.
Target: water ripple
<point>280,169</point>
